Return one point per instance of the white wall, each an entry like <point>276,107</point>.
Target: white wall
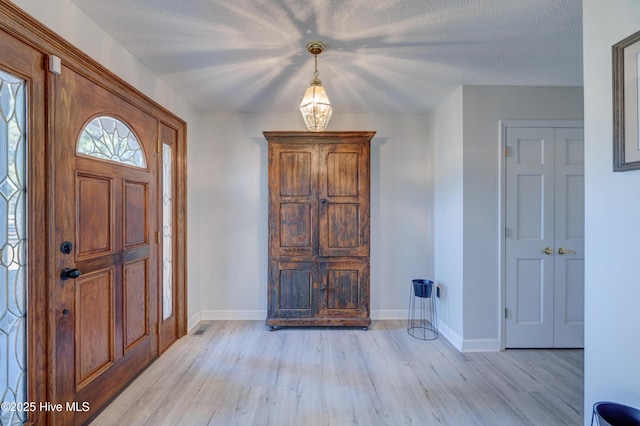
<point>228,210</point>
<point>445,134</point>
<point>468,182</point>
<point>612,293</point>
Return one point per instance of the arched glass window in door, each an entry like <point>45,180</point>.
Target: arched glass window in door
<point>109,138</point>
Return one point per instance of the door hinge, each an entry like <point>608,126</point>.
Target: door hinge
<point>158,145</point>
<point>506,151</point>
<point>506,313</point>
<point>157,237</point>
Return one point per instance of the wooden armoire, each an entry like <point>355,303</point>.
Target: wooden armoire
<point>319,206</point>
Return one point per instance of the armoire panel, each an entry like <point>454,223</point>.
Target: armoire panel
<point>295,224</point>
<point>295,173</point>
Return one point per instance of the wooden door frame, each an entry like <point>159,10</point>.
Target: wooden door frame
<point>502,253</point>
<point>31,70</point>
<point>42,314</point>
<point>179,191</point>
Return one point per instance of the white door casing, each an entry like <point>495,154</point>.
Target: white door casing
<point>544,236</point>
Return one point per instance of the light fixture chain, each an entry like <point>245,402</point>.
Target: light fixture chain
<point>315,73</point>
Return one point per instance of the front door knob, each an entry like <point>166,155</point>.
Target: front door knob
<point>67,273</point>
<point>547,250</point>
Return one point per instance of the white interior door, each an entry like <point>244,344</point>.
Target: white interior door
<point>569,239</point>
<point>544,238</point>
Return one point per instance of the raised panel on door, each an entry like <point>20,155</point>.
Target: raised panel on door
<point>569,235</point>
<point>292,201</point>
<point>291,287</point>
<point>344,200</point>
<point>136,214</point>
<point>529,223</point>
<point>344,290</point>
<point>135,302</point>
<point>95,209</point>
<point>95,325</point>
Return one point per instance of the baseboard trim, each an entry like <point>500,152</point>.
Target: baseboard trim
<point>450,335</point>
<point>480,345</point>
<point>193,322</point>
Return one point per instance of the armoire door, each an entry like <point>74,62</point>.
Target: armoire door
<point>544,239</point>
<point>104,289</point>
<point>293,201</point>
<point>293,290</point>
<point>344,289</point>
<point>344,200</point>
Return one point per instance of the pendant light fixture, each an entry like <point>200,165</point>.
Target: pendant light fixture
<point>315,106</point>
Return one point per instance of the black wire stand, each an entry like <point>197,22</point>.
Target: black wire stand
<point>423,321</point>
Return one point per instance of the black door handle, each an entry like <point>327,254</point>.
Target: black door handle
<point>67,273</point>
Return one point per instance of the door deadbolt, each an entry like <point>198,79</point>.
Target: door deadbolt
<point>66,247</point>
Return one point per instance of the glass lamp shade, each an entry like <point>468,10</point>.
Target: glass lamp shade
<point>315,107</point>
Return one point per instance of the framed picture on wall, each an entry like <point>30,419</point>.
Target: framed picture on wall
<point>626,107</point>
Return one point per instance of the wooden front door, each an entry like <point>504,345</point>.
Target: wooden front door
<point>105,283</point>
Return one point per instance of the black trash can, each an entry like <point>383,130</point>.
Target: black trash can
<point>422,321</point>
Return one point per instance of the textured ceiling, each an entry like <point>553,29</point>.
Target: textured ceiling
<point>385,56</point>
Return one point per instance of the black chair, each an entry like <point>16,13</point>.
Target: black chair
<point>614,414</point>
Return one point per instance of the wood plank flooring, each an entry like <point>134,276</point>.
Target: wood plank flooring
<point>239,373</point>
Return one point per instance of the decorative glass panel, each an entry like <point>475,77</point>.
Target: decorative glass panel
<point>13,253</point>
<point>110,139</point>
<point>167,237</point>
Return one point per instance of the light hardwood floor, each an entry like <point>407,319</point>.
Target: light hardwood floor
<point>239,373</point>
